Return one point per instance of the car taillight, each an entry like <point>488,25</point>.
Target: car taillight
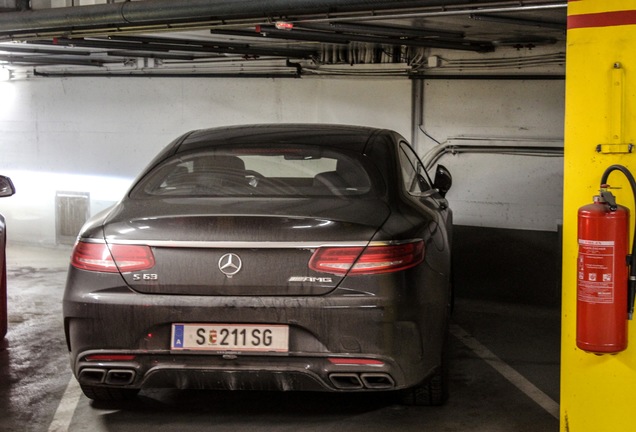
<point>367,260</point>
<point>118,258</point>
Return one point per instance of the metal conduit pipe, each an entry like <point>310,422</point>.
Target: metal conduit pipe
<point>345,38</point>
<point>431,158</point>
<point>446,11</point>
<point>140,14</point>
<point>233,75</point>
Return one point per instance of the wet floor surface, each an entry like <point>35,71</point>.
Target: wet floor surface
<point>503,356</point>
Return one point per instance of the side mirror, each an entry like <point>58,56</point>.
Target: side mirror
<point>443,180</point>
<point>6,187</point>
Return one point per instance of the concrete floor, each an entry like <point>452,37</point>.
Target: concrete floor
<point>505,375</point>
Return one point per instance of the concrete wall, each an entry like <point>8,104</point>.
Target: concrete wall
<point>507,207</point>
<point>95,135</point>
<point>499,190</point>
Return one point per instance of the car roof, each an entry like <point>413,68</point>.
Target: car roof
<point>352,138</point>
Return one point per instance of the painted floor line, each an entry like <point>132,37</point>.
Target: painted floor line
<point>65,410</point>
<point>518,380</point>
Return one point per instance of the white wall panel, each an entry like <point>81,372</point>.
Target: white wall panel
<point>95,135</point>
<point>504,108</point>
<point>499,191</point>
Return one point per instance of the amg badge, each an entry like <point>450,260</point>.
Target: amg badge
<point>310,279</point>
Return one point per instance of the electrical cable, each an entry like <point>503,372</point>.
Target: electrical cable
<point>631,259</point>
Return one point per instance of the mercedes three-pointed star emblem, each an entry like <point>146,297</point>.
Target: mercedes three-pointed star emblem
<point>230,264</point>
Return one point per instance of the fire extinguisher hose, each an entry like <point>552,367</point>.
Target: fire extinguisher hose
<point>631,259</point>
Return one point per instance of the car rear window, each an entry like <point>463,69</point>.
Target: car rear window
<point>260,171</point>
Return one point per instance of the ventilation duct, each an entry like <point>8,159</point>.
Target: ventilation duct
<point>72,209</point>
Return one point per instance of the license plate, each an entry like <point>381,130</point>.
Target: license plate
<point>230,337</point>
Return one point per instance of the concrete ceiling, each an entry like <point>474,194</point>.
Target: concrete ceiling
<point>275,38</point>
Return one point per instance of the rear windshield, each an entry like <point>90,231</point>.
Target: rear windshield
<point>260,171</point>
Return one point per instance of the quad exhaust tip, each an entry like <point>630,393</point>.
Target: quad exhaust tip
<point>120,377</point>
<point>92,376</point>
<point>346,381</point>
<point>116,377</point>
<point>377,381</point>
<point>354,381</point>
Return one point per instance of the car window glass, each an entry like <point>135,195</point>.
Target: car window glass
<point>414,175</point>
<point>278,166</point>
<point>260,171</point>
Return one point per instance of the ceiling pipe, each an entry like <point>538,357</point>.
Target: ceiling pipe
<point>64,21</point>
<point>177,45</point>
<point>51,61</point>
<point>345,38</point>
<point>57,52</point>
<point>383,30</point>
<point>163,75</point>
<point>488,7</point>
<point>297,35</point>
<point>125,14</point>
<point>519,21</point>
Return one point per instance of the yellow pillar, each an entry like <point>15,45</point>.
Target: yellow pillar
<point>598,393</point>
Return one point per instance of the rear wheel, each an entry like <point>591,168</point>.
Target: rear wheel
<point>108,394</point>
<point>434,391</point>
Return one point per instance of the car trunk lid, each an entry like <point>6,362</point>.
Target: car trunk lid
<point>228,248</point>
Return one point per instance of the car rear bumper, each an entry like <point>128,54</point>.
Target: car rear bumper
<point>390,349</point>
<point>288,373</point>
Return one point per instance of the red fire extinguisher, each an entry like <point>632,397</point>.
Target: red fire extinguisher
<point>605,283</point>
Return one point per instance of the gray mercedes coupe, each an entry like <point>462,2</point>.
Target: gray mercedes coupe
<point>268,257</point>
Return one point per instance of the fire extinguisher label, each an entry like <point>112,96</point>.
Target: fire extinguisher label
<point>596,271</point>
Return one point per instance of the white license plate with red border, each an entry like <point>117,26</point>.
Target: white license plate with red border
<point>230,337</point>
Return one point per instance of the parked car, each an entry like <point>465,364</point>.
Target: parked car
<point>285,257</point>
<point>6,189</point>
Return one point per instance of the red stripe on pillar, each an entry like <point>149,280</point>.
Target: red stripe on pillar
<point>603,19</point>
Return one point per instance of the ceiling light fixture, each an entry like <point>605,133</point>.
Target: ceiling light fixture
<point>284,25</point>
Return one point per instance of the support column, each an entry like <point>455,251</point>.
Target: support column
<point>598,393</point>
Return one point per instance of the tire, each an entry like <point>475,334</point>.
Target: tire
<point>434,391</point>
<point>108,394</point>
